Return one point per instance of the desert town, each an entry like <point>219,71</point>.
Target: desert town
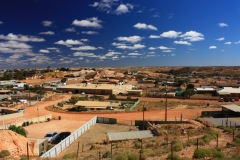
<point>91,113</point>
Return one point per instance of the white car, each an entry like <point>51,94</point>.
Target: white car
<point>50,136</point>
<point>21,110</point>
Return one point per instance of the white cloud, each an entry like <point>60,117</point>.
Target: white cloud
<point>118,44</point>
<point>154,36</point>
<point>104,5</point>
<point>1,22</point>
<point>69,42</point>
<point>237,42</point>
<point>89,22</point>
<point>47,23</point>
<point>72,29</point>
<point>173,55</point>
<point>222,25</point>
<point>84,40</point>
<point>84,54</point>
<point>163,47</point>
<point>47,33</point>
<point>170,34</point>
<point>89,32</point>
<point>145,26</point>
<point>168,50</point>
<point>52,48</point>
<point>134,54</point>
<point>131,39</point>
<point>110,54</point>
<point>85,48</point>
<point>151,48</point>
<point>151,52</point>
<point>23,38</point>
<point>182,42</point>
<point>15,50</point>
<point>135,46</point>
<point>228,43</point>
<point>212,47</point>
<point>44,51</point>
<point>14,44</point>
<point>193,36</point>
<point>123,8</point>
<point>220,39</point>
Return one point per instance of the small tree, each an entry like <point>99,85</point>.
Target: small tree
<point>112,97</point>
<point>20,130</point>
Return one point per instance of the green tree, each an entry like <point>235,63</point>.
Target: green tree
<point>112,97</point>
<point>20,130</point>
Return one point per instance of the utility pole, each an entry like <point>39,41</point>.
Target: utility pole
<point>166,105</point>
<point>37,108</point>
<point>143,109</point>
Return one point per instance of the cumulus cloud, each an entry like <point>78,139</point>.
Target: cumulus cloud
<point>123,8</point>
<point>134,54</point>
<point>237,42</point>
<point>168,50</point>
<point>145,26</point>
<point>182,42</point>
<point>104,5</point>
<point>228,43</point>
<point>84,54</point>
<point>85,48</point>
<point>89,32</point>
<point>47,23</point>
<point>212,47</point>
<point>170,34</point>
<point>93,22</point>
<point>135,46</point>
<point>47,33</point>
<point>110,54</point>
<point>193,36</point>
<point>23,38</point>
<point>14,44</point>
<point>131,39</point>
<point>222,25</point>
<point>69,42</point>
<point>220,39</point>
<point>84,40</point>
<point>151,48</point>
<point>72,29</point>
<point>118,44</point>
<point>44,51</point>
<point>163,48</point>
<point>1,22</point>
<point>154,36</point>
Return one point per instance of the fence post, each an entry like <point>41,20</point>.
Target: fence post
<point>217,140</point>
<point>78,149</point>
<point>197,143</point>
<point>233,135</point>
<point>171,150</point>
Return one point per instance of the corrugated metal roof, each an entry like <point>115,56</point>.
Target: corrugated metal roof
<point>232,107</point>
<point>230,90</point>
<point>118,136</point>
<point>204,89</point>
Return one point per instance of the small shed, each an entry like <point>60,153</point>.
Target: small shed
<point>40,145</point>
<point>231,110</point>
<point>93,105</point>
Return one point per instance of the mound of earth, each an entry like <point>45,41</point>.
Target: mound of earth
<point>16,144</point>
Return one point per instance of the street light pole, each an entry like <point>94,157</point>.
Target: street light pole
<point>37,108</point>
<point>143,109</point>
<point>166,105</point>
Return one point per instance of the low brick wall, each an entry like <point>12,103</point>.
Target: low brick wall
<point>9,116</point>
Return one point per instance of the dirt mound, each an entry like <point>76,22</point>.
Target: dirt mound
<point>15,143</point>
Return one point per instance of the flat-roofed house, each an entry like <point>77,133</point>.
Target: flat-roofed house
<point>204,90</point>
<point>229,92</point>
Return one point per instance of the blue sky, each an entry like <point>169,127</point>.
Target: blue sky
<point>118,33</point>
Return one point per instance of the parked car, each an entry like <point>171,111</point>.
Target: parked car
<point>221,100</point>
<point>21,110</point>
<point>226,100</point>
<point>61,136</point>
<point>232,100</point>
<point>51,136</point>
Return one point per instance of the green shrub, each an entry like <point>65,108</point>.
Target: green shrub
<point>107,154</point>
<point>216,153</point>
<point>174,156</point>
<point>237,140</point>
<point>69,156</point>
<point>137,144</point>
<point>132,156</point>
<point>207,138</point>
<point>121,157</point>
<point>177,147</point>
<point>201,153</point>
<point>19,130</point>
<point>144,156</point>
<point>4,153</point>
